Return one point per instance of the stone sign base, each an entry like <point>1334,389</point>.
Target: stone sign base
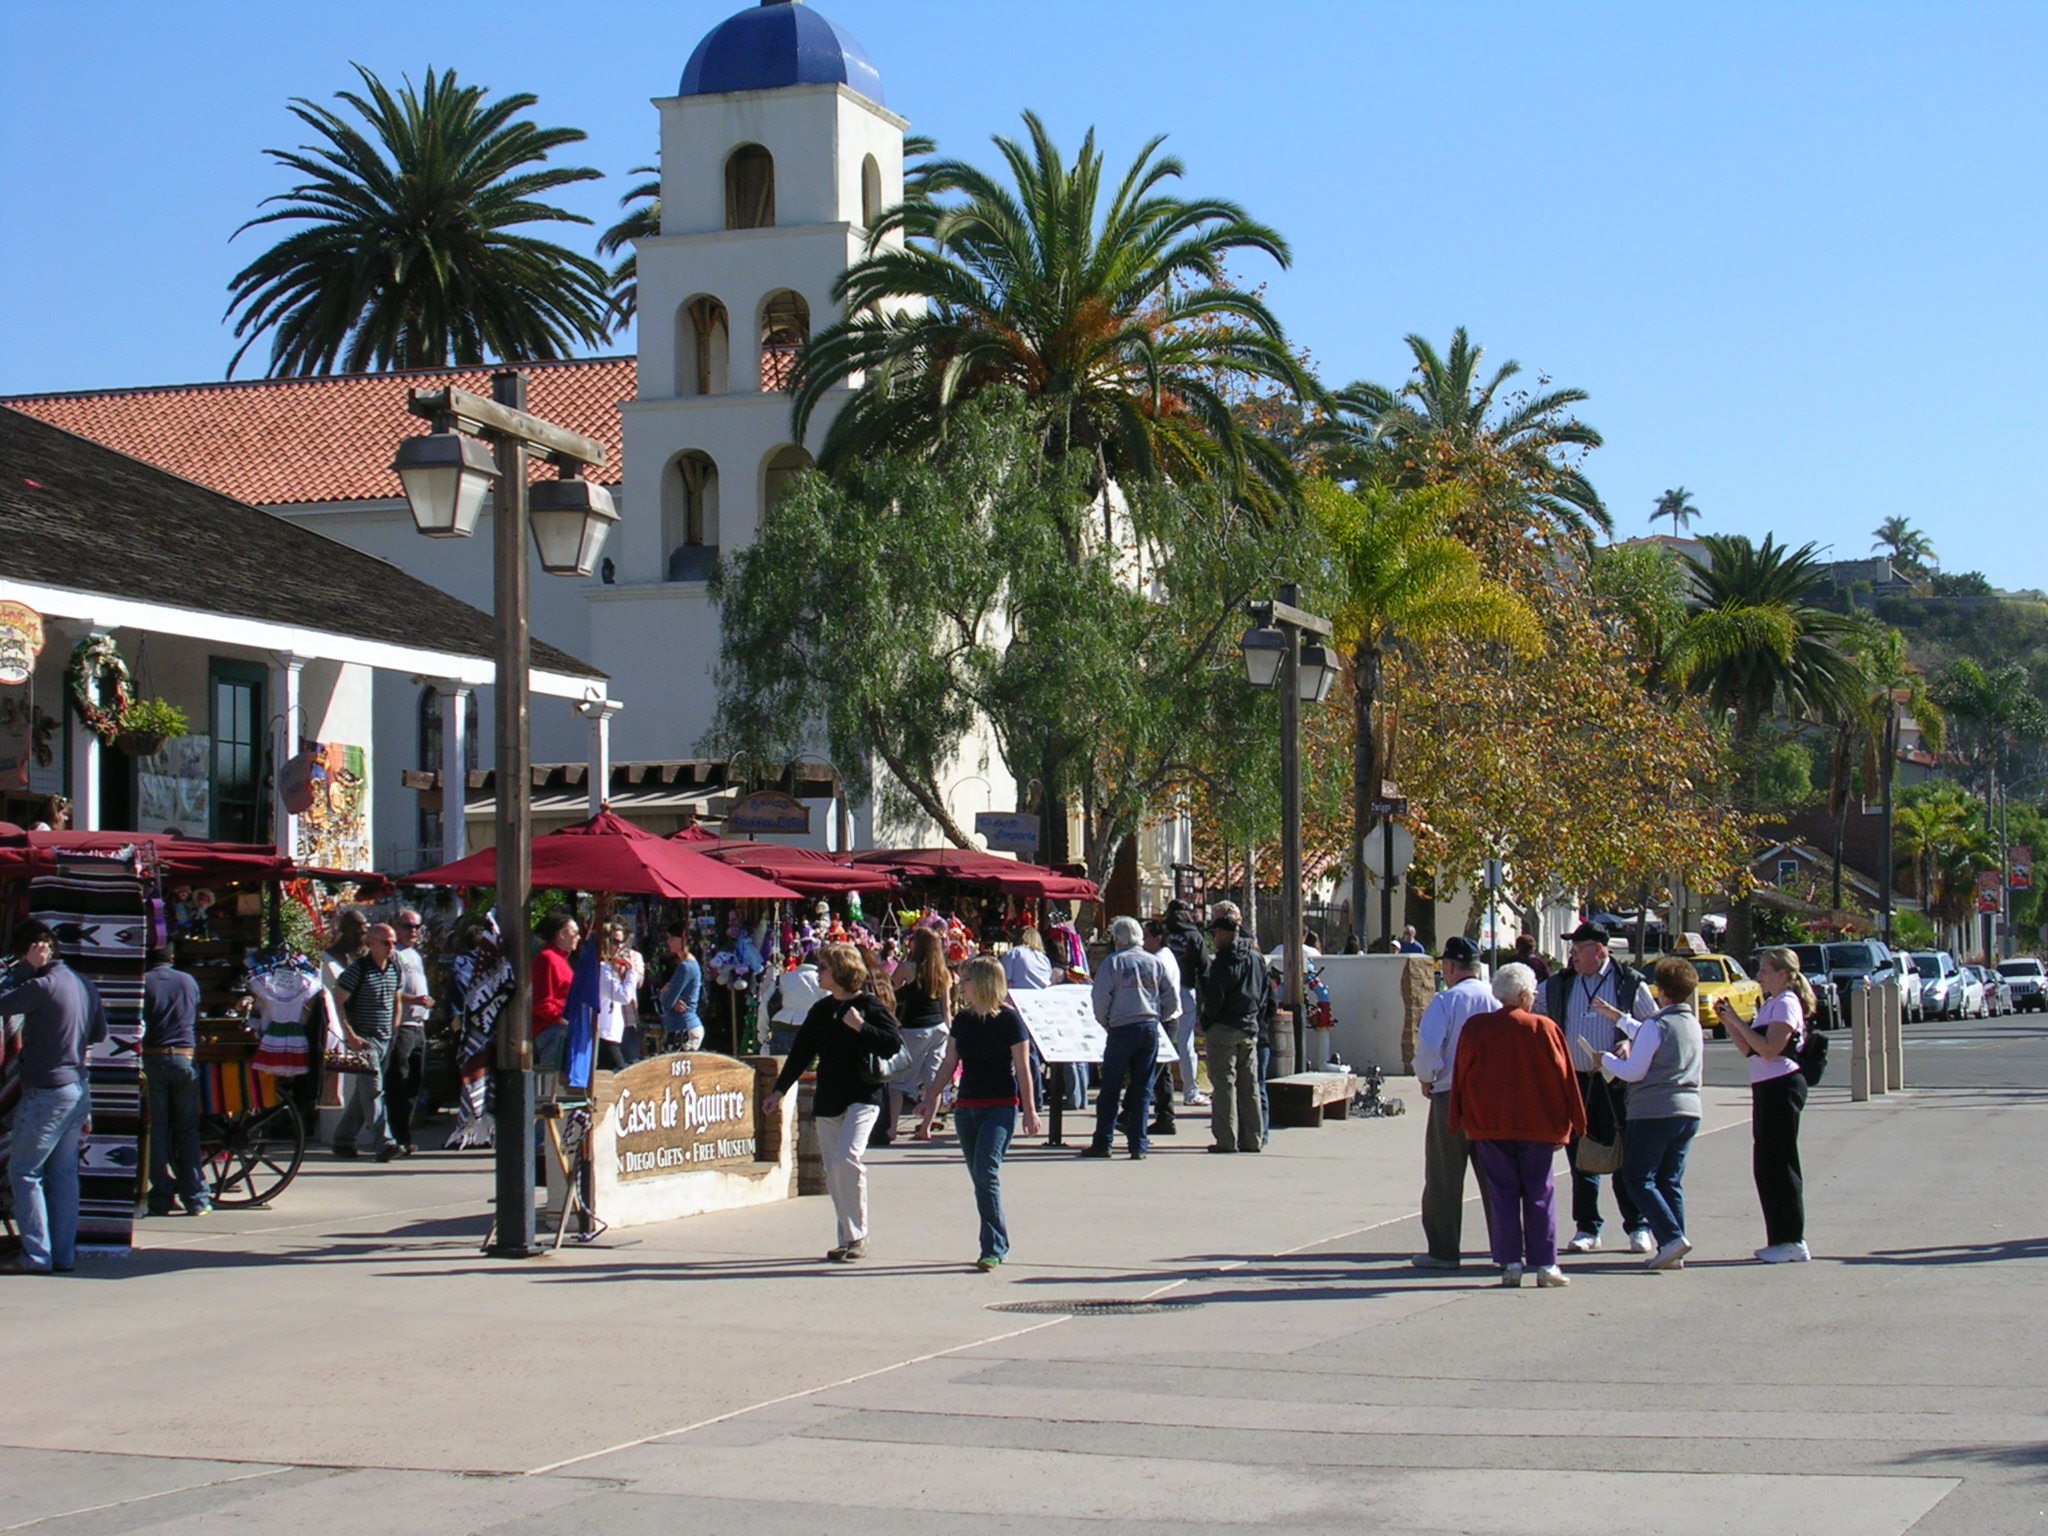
<point>661,1150</point>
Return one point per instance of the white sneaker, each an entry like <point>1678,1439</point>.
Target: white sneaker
<point>1195,1100</point>
<point>1550,1279</point>
<point>1784,1253</point>
<point>1511,1276</point>
<point>1640,1241</point>
<point>1583,1242</point>
<point>1670,1256</point>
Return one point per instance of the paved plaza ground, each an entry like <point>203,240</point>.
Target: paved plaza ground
<point>348,1361</point>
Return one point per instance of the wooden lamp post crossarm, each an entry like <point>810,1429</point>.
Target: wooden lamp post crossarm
<point>489,418</point>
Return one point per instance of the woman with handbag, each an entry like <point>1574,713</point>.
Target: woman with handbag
<point>989,1045</point>
<point>924,1002</point>
<point>851,1037</point>
<point>1777,1090</point>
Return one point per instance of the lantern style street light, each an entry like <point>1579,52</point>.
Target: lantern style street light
<point>445,475</point>
<point>1274,657</point>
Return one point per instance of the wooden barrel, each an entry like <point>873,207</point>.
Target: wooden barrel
<point>810,1163</point>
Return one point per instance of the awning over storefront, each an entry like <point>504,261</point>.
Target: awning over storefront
<point>966,866</point>
<point>801,869</point>
<point>605,853</point>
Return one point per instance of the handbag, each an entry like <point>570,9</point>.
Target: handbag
<point>1591,1156</point>
<point>878,1071</point>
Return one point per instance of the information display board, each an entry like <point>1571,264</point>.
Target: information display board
<point>1061,1021</point>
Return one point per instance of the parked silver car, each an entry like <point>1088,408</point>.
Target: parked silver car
<point>1996,991</point>
<point>1941,989</point>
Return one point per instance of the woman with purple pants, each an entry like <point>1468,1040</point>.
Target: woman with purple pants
<point>1514,1095</point>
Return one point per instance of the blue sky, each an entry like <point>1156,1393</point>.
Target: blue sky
<point>1794,252</point>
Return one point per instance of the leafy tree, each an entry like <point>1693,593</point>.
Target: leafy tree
<point>1910,549</point>
<point>1398,574</point>
<point>896,606</point>
<point>642,205</point>
<point>1118,316</point>
<point>1519,455</point>
<point>410,258</point>
<point>1961,584</point>
<point>1884,682</point>
<point>1940,833</point>
<point>1994,715</point>
<point>1678,506</point>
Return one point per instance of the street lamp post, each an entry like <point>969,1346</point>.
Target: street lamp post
<point>445,475</point>
<point>1275,657</point>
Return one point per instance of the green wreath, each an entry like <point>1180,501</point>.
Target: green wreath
<point>96,667</point>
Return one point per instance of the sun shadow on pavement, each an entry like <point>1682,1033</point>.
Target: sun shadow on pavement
<point>1958,1253</point>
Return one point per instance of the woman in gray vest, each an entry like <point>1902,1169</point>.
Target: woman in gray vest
<point>1660,1060</point>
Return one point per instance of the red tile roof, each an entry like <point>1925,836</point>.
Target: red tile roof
<point>281,442</point>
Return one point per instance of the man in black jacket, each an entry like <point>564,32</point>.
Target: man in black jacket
<point>1191,954</point>
<point>1235,995</point>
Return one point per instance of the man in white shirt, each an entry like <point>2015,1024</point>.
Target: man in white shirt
<point>1445,1153</point>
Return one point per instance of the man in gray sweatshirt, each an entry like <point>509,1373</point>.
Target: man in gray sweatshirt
<point>1134,995</point>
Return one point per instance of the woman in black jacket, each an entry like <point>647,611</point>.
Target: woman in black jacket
<point>848,1033</point>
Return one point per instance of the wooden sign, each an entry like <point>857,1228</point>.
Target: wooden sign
<point>1061,1022</point>
<point>678,1114</point>
<point>770,811</point>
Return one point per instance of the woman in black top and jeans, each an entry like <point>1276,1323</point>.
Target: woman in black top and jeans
<point>842,1034</point>
<point>989,1045</point>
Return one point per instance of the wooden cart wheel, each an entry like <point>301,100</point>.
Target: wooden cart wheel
<point>248,1159</point>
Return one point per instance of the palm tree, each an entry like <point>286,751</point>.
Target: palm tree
<point>1757,643</point>
<point>642,205</point>
<point>1120,316</point>
<point>1519,454</point>
<point>1403,576</point>
<point>410,259</point>
<point>1678,506</point>
<point>1911,550</point>
<point>1941,833</point>
<point>1885,683</point>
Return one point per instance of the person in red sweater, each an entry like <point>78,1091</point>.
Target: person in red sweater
<point>551,976</point>
<point>1513,1094</point>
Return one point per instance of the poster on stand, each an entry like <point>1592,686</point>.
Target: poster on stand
<point>1061,1022</point>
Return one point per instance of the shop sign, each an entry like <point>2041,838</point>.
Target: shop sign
<point>1008,831</point>
<point>769,810</point>
<point>2020,864</point>
<point>679,1114</point>
<point>1987,890</point>
<point>21,640</point>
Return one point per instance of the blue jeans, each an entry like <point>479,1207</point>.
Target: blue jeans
<point>984,1138</point>
<point>364,1114</point>
<point>1653,1164</point>
<point>42,1167</point>
<point>174,1135</point>
<point>1127,1063</point>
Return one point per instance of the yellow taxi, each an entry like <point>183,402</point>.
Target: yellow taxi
<point>1720,976</point>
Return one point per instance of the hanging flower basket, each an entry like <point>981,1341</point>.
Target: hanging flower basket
<point>140,743</point>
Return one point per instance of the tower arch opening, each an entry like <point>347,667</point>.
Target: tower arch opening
<point>870,191</point>
<point>778,471</point>
<point>703,347</point>
<point>785,328</point>
<point>750,188</point>
<point>689,516</point>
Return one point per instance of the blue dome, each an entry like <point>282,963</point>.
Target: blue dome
<point>778,42</point>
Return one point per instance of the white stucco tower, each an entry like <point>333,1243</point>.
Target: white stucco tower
<point>776,153</point>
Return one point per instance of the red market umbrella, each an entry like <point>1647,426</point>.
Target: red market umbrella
<point>611,855</point>
<point>801,869</point>
<point>967,866</point>
<point>694,833</point>
<point>178,858</point>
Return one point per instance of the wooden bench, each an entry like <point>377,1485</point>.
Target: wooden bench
<point>1310,1098</point>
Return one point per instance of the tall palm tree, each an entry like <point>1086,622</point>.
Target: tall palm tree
<point>1678,506</point>
<point>1885,683</point>
<point>1796,659</point>
<point>410,259</point>
<point>1941,833</point>
<point>1911,550</point>
<point>1118,313</point>
<point>1402,576</point>
<point>1518,453</point>
<point>642,217</point>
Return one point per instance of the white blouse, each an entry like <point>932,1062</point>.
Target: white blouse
<point>618,996</point>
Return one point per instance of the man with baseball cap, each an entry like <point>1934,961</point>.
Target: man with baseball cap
<point>1234,989</point>
<point>1446,1154</point>
<point>1569,998</point>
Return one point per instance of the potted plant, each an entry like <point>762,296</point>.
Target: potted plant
<point>147,724</point>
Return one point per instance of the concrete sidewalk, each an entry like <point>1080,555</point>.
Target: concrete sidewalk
<point>339,1360</point>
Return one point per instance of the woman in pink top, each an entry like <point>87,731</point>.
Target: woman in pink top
<point>1777,1091</point>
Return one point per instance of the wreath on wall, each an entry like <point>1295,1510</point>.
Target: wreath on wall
<point>96,672</point>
